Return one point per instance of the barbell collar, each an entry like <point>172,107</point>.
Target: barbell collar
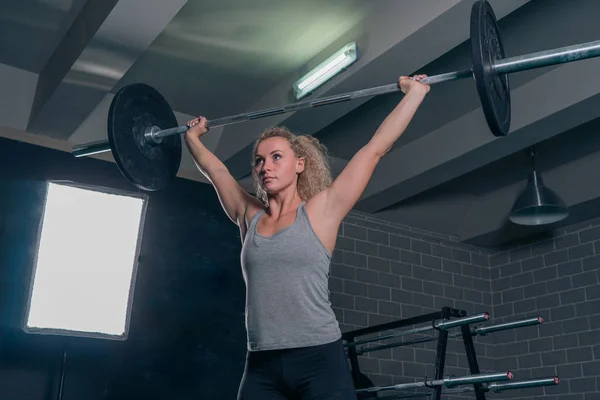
<point>170,132</point>
<point>151,135</point>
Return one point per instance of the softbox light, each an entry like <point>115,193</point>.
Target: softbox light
<point>85,264</point>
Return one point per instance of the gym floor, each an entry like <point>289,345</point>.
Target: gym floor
<point>431,231</point>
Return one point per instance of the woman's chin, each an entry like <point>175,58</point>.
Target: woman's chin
<point>271,188</point>
<point>268,187</point>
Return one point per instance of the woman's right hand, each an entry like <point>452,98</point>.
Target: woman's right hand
<point>196,127</point>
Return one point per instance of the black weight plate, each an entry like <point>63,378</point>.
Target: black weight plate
<point>134,110</point>
<point>486,48</point>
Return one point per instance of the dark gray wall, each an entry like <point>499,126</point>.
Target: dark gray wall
<point>187,336</point>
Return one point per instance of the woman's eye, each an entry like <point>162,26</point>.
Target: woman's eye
<point>277,156</point>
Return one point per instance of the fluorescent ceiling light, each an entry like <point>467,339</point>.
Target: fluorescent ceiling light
<point>326,70</point>
<point>84,273</point>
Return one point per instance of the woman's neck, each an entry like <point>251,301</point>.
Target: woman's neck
<point>283,203</point>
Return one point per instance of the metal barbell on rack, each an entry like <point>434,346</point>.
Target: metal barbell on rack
<point>143,135</point>
<point>445,382</point>
<point>480,330</point>
<point>494,387</point>
<point>482,382</point>
<point>435,325</point>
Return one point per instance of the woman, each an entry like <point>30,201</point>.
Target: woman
<point>288,233</point>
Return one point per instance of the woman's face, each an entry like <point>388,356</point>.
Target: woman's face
<point>275,165</point>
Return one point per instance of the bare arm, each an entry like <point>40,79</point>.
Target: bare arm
<point>234,199</point>
<point>347,188</point>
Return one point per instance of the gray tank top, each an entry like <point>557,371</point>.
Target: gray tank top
<point>287,292</point>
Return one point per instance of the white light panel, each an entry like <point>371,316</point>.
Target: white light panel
<point>84,273</point>
<point>326,70</point>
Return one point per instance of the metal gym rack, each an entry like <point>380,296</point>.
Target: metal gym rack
<point>441,322</point>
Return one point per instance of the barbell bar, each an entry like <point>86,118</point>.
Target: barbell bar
<point>143,135</point>
<point>448,382</point>
<point>505,66</point>
<point>480,330</point>
<point>494,387</point>
<point>441,325</point>
<point>154,137</point>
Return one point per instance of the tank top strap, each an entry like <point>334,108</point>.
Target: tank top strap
<point>254,220</point>
<point>305,220</point>
<point>302,212</point>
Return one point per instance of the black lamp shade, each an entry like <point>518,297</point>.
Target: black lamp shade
<point>537,204</point>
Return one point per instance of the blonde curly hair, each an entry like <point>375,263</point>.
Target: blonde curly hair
<point>316,175</point>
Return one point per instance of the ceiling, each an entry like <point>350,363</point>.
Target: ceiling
<point>62,61</point>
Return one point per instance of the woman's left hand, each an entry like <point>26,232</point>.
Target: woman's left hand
<point>408,84</point>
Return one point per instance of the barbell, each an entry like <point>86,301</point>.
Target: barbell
<point>451,381</point>
<point>143,135</point>
<point>490,386</point>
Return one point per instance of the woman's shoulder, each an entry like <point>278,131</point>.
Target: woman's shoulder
<point>252,210</point>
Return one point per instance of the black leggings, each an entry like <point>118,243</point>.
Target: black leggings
<point>307,373</point>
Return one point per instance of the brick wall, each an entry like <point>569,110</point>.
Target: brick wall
<point>383,272</point>
<point>557,278</point>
